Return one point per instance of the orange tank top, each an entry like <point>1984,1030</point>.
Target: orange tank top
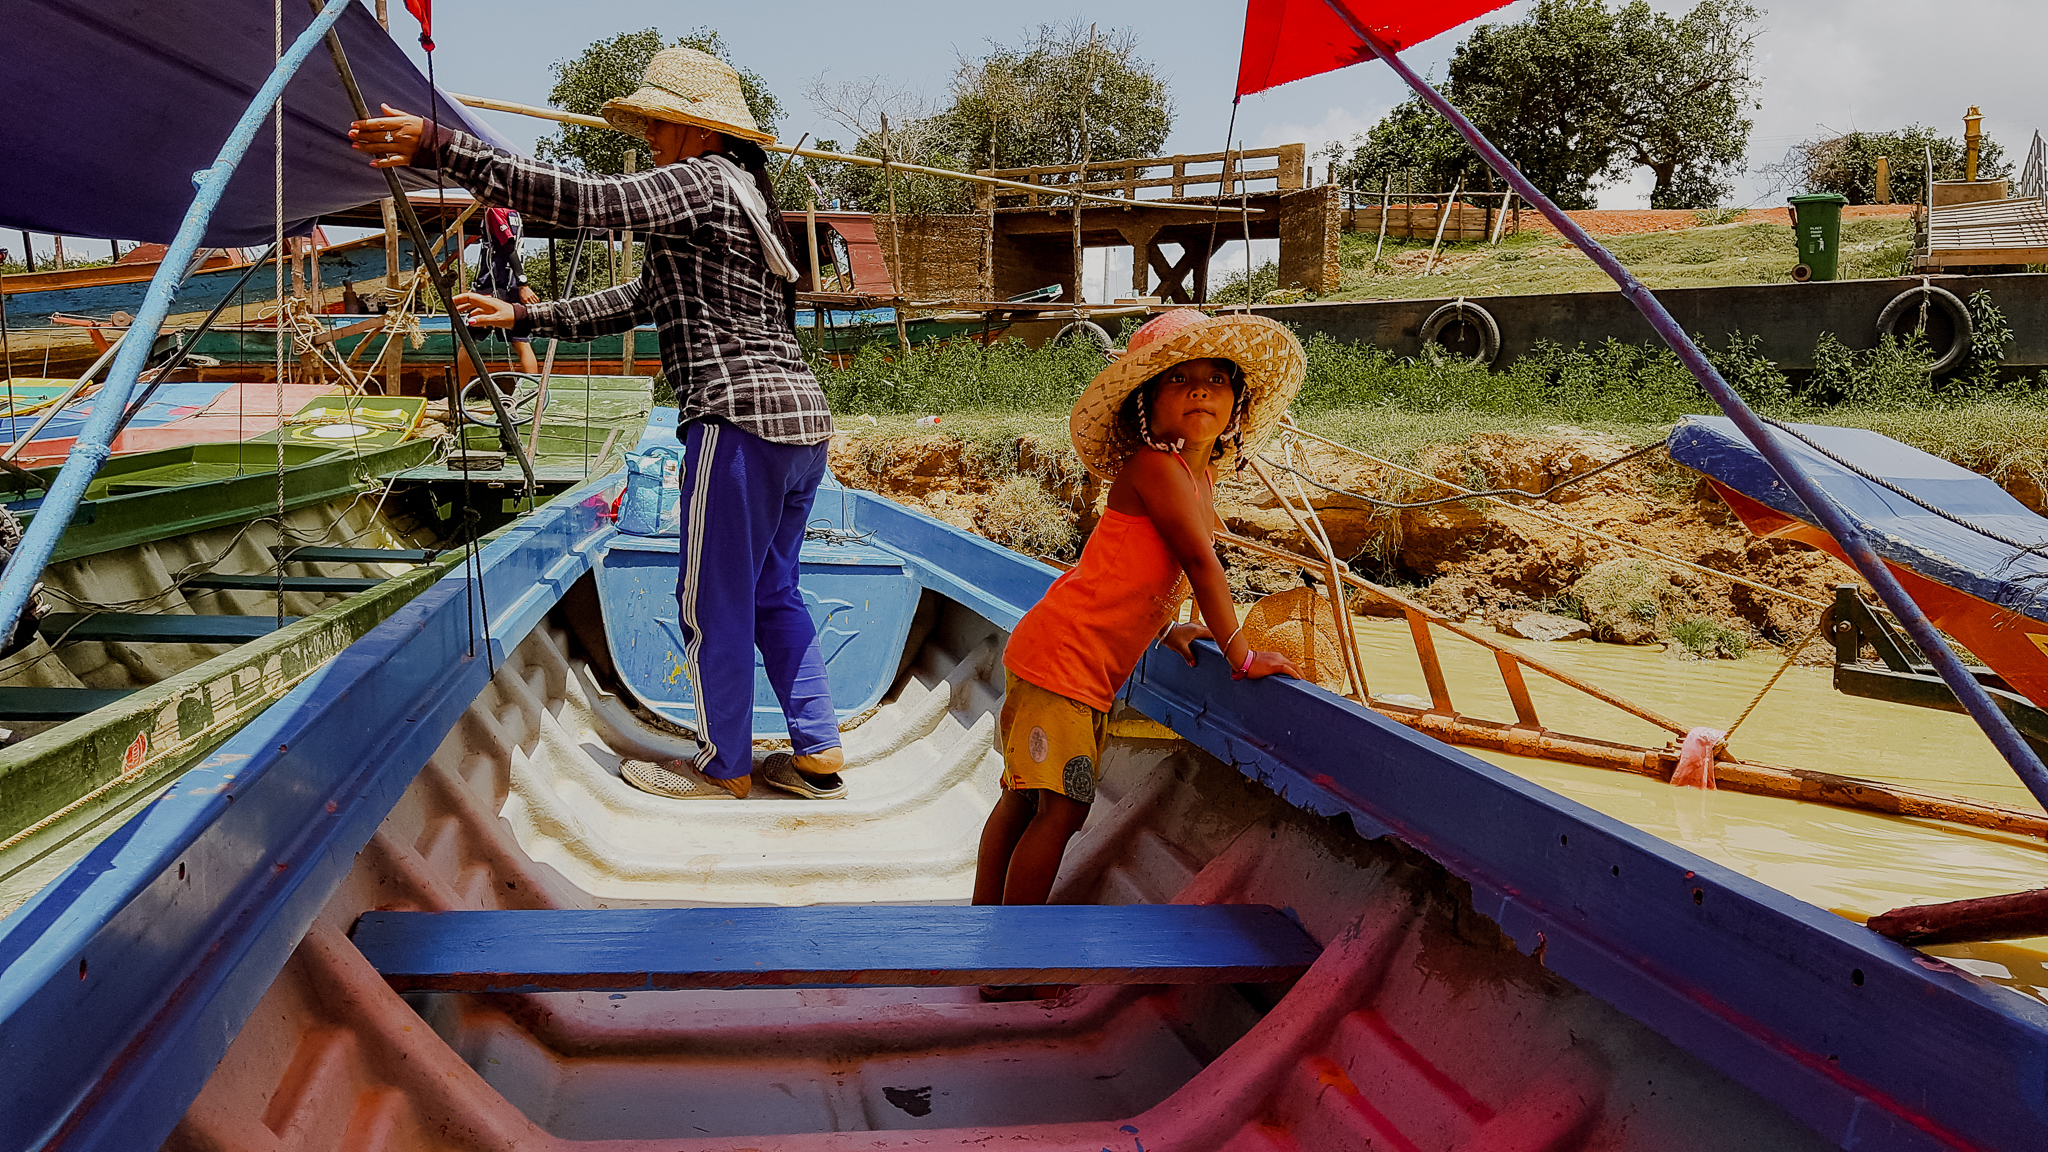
<point>1085,636</point>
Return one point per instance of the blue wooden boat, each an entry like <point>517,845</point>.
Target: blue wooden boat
<point>1468,959</point>
<point>98,293</point>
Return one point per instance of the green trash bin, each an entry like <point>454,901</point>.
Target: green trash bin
<point>1817,230</point>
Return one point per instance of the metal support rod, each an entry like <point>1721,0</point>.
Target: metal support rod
<point>91,449</point>
<point>2025,764</point>
<point>507,436</point>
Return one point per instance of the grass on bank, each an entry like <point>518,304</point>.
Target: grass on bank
<point>1396,407</point>
<point>1537,262</point>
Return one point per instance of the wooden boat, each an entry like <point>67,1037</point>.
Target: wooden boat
<point>164,630</point>
<point>1958,567</point>
<point>33,298</point>
<point>1472,961</point>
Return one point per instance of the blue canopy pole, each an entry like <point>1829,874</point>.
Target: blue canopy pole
<point>1831,516</point>
<point>93,445</point>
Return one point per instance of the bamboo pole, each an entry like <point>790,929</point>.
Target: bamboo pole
<point>1339,609</point>
<point>1501,221</point>
<point>1457,629</point>
<point>1081,177</point>
<point>1354,674</point>
<point>841,157</point>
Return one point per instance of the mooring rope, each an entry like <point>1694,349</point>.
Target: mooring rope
<point>1470,495</point>
<point>1791,655</point>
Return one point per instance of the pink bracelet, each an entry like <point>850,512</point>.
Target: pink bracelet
<point>1241,673</point>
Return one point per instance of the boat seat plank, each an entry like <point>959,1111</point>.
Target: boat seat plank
<point>565,950</point>
<point>165,628</point>
<point>55,703</point>
<point>334,585</point>
<point>317,555</point>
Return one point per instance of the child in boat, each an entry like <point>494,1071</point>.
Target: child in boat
<point>1192,391</point>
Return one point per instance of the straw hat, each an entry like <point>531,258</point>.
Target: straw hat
<point>688,87</point>
<point>1270,356</point>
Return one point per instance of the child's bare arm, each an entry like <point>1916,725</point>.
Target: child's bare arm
<point>1186,520</point>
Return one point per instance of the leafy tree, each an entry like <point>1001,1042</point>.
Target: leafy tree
<point>1023,104</point>
<point>1683,86</point>
<point>1847,163</point>
<point>1018,106</point>
<point>609,69</point>
<point>1577,95</point>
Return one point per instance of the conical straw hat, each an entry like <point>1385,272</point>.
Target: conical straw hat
<point>1271,358</point>
<point>686,86</point>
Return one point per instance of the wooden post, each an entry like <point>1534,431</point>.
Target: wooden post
<point>1440,222</point>
<point>1884,180</point>
<point>895,239</point>
<point>1386,206</point>
<point>1081,179</point>
<point>58,247</point>
<point>626,365</point>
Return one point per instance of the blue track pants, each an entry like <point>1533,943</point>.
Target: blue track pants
<point>745,504</point>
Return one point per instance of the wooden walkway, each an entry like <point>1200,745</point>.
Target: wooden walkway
<point>2011,231</point>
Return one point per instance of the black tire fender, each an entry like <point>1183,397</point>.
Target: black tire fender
<point>1467,312</point>
<point>1935,297</point>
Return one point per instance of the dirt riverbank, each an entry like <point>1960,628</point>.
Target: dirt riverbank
<point>1472,560</point>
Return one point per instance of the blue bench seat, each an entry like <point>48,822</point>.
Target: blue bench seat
<point>646,949</point>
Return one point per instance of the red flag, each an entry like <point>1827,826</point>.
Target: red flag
<point>423,11</point>
<point>1289,39</point>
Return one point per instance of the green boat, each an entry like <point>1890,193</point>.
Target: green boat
<point>164,625</point>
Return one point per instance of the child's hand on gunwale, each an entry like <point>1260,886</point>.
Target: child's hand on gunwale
<point>1181,638</point>
<point>1268,663</point>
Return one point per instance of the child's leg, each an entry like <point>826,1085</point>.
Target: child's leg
<point>1006,824</point>
<point>1035,861</point>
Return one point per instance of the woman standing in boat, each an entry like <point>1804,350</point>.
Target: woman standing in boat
<point>1190,392</point>
<point>719,286</point>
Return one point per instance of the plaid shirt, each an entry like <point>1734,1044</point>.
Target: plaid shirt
<point>723,317</point>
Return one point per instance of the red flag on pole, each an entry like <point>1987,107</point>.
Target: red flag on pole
<point>1290,39</point>
<point>423,11</point>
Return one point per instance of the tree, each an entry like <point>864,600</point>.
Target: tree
<point>1022,105</point>
<point>609,69</point>
<point>1017,106</point>
<point>1683,87</point>
<point>1577,95</point>
<point>1847,163</point>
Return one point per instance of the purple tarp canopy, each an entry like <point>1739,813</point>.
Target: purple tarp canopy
<point>114,104</point>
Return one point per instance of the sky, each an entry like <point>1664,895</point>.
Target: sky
<point>1827,65</point>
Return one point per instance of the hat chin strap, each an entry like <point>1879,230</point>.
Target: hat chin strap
<point>1145,434</point>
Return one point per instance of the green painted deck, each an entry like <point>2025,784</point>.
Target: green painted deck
<point>590,423</point>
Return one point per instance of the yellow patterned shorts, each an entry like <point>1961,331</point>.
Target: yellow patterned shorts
<point>1050,741</point>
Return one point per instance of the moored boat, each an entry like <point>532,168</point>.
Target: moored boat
<point>1491,962</point>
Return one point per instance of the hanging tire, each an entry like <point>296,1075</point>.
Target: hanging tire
<point>1941,303</point>
<point>1465,314</point>
<point>1087,332</point>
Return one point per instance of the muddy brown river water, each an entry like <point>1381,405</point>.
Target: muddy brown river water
<point>1853,863</point>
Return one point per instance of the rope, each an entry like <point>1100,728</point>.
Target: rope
<point>1894,489</point>
<point>1543,495</point>
<point>1791,655</point>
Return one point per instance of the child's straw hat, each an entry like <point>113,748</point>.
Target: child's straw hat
<point>1270,356</point>
<point>688,87</point>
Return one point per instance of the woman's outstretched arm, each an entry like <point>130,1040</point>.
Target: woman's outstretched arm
<point>671,200</point>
